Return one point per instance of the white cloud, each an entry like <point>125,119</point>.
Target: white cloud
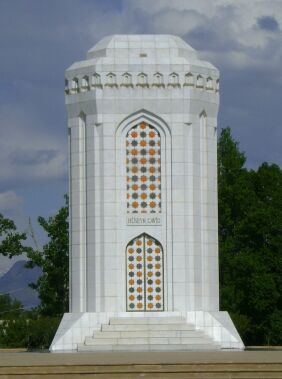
<point>225,32</point>
<point>9,200</point>
<point>221,27</point>
<point>28,149</point>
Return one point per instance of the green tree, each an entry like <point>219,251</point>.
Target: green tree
<point>53,285</point>
<point>250,219</point>
<point>36,328</point>
<point>10,240</point>
<point>9,308</point>
<point>26,329</point>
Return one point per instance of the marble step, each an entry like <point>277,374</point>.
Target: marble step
<point>149,341</point>
<point>146,347</point>
<point>149,333</point>
<point>147,327</point>
<point>146,320</point>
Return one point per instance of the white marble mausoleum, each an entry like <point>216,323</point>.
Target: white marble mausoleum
<point>142,128</point>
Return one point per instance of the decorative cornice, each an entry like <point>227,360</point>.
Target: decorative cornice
<point>128,81</point>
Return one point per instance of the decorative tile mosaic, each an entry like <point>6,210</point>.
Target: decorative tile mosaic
<point>143,166</point>
<point>144,260</point>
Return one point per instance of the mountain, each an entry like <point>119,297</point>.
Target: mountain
<point>15,283</point>
<point>6,263</point>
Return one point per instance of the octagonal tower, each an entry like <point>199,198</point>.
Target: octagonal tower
<point>142,120</point>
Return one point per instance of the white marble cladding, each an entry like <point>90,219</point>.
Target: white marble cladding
<point>98,122</point>
<point>75,327</point>
<point>92,81</point>
<point>148,61</point>
<point>98,219</point>
<point>157,80</point>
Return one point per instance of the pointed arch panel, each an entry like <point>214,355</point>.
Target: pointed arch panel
<point>143,167</point>
<point>144,274</point>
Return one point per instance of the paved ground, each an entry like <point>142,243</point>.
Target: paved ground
<point>127,358</point>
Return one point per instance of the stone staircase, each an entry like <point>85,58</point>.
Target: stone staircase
<point>148,334</point>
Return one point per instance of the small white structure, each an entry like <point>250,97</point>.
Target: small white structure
<point>143,191</point>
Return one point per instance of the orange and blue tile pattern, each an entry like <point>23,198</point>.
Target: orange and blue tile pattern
<point>144,260</point>
<point>143,166</point>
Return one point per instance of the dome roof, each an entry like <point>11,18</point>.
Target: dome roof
<point>131,44</point>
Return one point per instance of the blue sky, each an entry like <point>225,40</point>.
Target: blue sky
<point>39,39</point>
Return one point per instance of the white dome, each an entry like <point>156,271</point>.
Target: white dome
<point>127,44</point>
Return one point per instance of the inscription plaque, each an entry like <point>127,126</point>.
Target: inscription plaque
<point>143,220</point>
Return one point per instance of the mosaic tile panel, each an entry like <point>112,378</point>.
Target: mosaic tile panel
<point>144,259</point>
<point>135,275</point>
<point>153,274</point>
<point>143,166</point>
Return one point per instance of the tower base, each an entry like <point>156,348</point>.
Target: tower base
<point>76,327</point>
